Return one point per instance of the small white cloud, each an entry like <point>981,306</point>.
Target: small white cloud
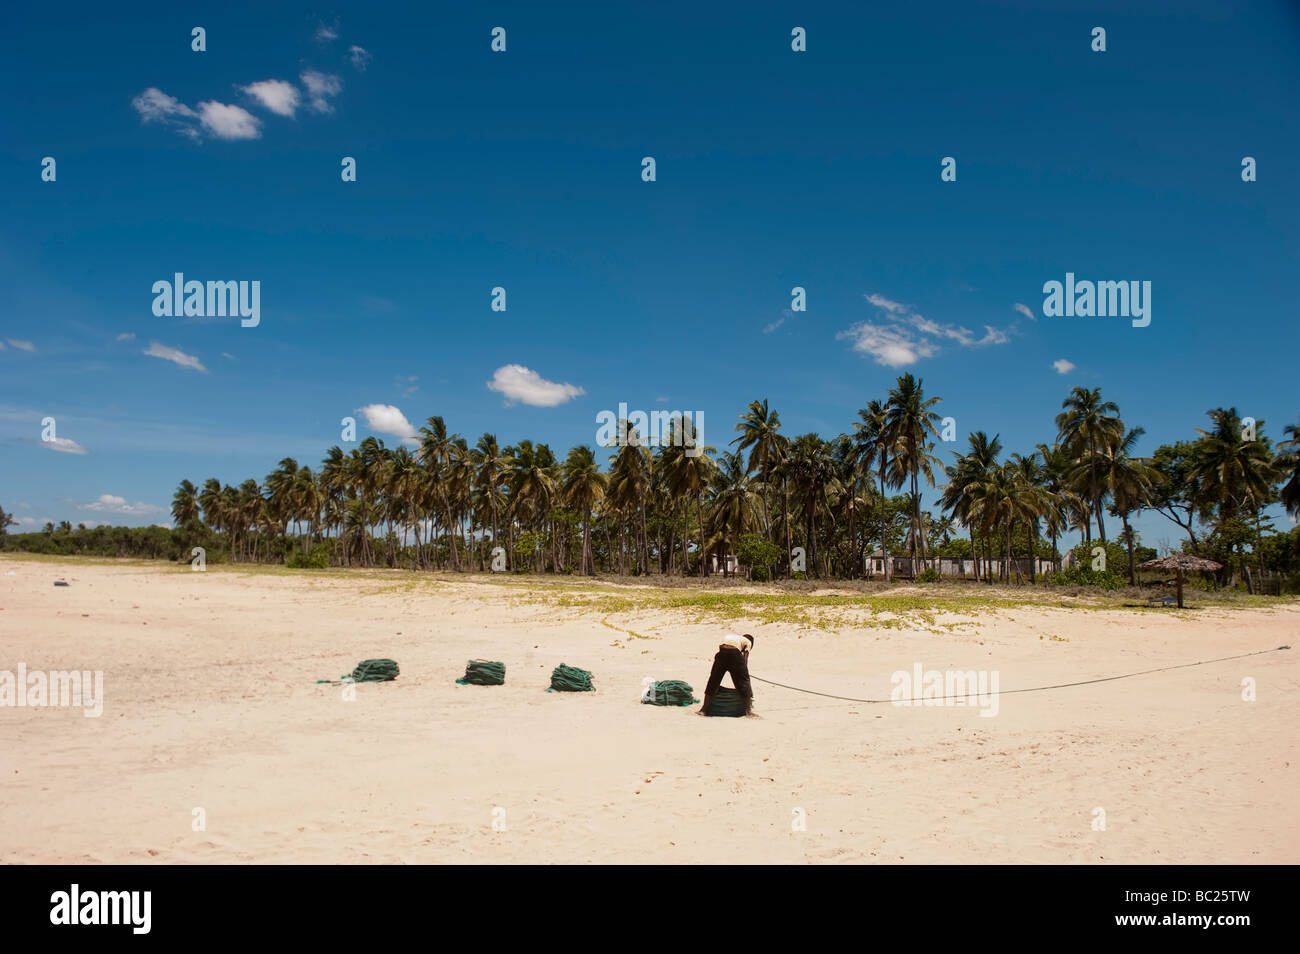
<point>387,419</point>
<point>326,34</point>
<point>126,336</point>
<point>1062,366</point>
<point>229,122</point>
<point>1026,311</point>
<point>155,106</point>
<point>21,345</point>
<point>880,301</point>
<point>320,87</point>
<point>156,350</point>
<point>360,57</point>
<point>524,386</point>
<point>64,446</point>
<point>108,503</point>
<point>892,345</point>
<point>772,326</point>
<point>279,96</point>
<point>227,355</point>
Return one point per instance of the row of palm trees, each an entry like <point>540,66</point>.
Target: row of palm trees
<point>445,504</point>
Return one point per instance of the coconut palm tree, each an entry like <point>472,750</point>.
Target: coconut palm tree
<point>877,443</point>
<point>185,504</point>
<point>439,450</point>
<point>910,421</point>
<point>965,476</point>
<point>1128,479</point>
<point>689,469</point>
<point>1236,471</point>
<point>1086,427</point>
<point>630,485</point>
<point>734,504</point>
<point>490,463</point>
<point>759,429</point>
<point>583,488</point>
<point>1289,466</point>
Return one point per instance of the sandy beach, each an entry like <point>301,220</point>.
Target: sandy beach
<point>211,704</point>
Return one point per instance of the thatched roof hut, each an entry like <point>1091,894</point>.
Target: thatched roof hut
<point>1180,563</point>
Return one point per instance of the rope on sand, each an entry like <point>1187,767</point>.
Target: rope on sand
<point>369,670</point>
<point>1007,692</point>
<point>483,672</point>
<point>570,679</point>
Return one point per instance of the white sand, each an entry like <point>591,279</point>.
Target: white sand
<point>210,703</point>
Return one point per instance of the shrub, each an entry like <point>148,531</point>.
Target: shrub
<point>318,558</point>
<point>1086,576</point>
<point>928,575</point>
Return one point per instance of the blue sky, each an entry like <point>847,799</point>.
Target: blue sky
<point>522,169</point>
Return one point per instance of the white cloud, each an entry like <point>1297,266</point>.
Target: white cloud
<point>107,503</point>
<point>524,386</point>
<point>228,355</point>
<point>320,86</point>
<point>360,57</point>
<point>1026,311</point>
<point>905,337</point>
<point>891,345</point>
<point>772,326</point>
<point>156,350</point>
<point>155,106</point>
<point>126,336</point>
<point>229,122</point>
<point>324,34</point>
<point>880,301</point>
<point>279,96</point>
<point>64,446</point>
<point>1062,366</point>
<point>387,419</point>
<point>21,345</point>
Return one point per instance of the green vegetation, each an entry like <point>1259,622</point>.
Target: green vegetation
<point>672,511</point>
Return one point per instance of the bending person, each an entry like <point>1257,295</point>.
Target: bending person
<point>732,657</point>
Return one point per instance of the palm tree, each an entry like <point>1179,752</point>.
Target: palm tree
<point>490,463</point>
<point>1086,427</point>
<point>1236,475</point>
<point>877,444</point>
<point>439,451</point>
<point>1034,501</point>
<point>810,469</point>
<point>688,475</point>
<point>968,473</point>
<point>185,504</point>
<point>734,504</point>
<point>629,487</point>
<point>1128,479</point>
<point>583,488</point>
<point>910,421</point>
<point>759,430</point>
<point>1289,467</point>
<point>532,487</point>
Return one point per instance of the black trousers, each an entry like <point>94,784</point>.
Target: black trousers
<point>730,660</point>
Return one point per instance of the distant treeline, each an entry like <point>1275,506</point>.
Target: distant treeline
<point>783,506</point>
